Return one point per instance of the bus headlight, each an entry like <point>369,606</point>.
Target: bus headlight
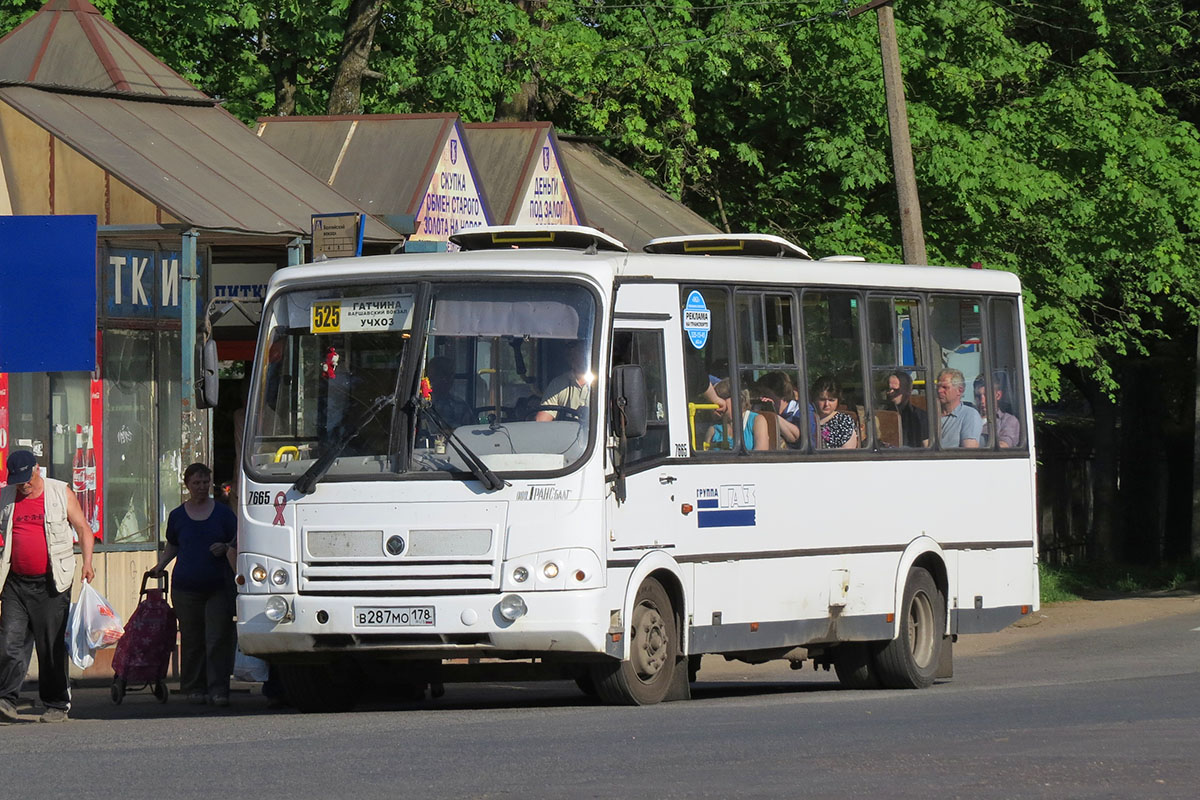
<point>550,570</point>
<point>277,609</point>
<point>512,607</point>
<point>520,575</point>
<point>279,577</point>
<point>258,573</point>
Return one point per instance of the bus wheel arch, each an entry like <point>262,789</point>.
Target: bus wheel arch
<point>654,642</point>
<point>927,554</point>
<point>911,660</point>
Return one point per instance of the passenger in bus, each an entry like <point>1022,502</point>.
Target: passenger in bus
<point>440,371</point>
<point>914,424</point>
<point>960,425</point>
<point>791,415</point>
<point>1008,429</point>
<point>755,432</point>
<point>835,429</point>
<point>572,389</point>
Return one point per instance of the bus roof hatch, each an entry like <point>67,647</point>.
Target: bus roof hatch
<point>564,237</point>
<point>728,244</point>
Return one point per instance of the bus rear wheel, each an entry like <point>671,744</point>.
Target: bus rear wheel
<point>653,652</point>
<point>317,688</point>
<point>910,661</point>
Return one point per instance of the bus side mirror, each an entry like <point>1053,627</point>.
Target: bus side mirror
<point>208,380</point>
<point>628,392</point>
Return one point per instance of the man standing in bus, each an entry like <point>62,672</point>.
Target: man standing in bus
<point>961,425</point>
<point>572,389</point>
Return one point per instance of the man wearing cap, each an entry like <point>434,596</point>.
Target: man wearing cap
<point>37,565</point>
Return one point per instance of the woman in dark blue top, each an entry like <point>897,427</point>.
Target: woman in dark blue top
<point>202,535</point>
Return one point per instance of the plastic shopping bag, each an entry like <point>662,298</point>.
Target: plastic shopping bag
<point>249,668</point>
<point>78,647</point>
<point>101,623</point>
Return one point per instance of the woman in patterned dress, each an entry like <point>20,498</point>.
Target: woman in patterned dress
<point>835,429</point>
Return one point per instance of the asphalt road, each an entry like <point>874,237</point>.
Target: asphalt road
<point>1109,712</point>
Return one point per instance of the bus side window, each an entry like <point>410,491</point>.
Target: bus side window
<point>768,369</point>
<point>706,363</point>
<point>833,350</point>
<point>645,347</point>
<point>899,377</point>
<point>957,328</point>
<point>1006,389</point>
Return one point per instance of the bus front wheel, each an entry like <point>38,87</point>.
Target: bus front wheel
<point>653,652</point>
<point>910,661</point>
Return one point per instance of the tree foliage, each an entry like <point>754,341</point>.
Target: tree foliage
<point>1056,141</point>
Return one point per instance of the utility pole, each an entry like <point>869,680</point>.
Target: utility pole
<point>912,236</point>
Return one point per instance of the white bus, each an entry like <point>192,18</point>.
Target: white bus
<point>546,456</point>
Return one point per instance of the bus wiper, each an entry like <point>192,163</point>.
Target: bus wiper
<point>490,480</point>
<point>307,483</point>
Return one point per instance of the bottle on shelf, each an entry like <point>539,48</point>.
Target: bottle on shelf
<point>89,474</point>
<point>78,474</point>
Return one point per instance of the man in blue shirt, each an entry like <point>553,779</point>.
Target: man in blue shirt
<point>961,425</point>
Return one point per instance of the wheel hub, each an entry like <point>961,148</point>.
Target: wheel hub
<point>650,642</point>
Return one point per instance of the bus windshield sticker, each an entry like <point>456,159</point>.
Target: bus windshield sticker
<point>696,320</point>
<point>353,314</point>
<point>727,506</point>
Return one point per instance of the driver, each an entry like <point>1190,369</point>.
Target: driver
<point>572,389</point>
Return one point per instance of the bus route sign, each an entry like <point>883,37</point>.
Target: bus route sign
<point>697,320</point>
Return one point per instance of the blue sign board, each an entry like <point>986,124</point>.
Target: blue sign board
<point>697,320</point>
<point>143,283</point>
<point>48,299</point>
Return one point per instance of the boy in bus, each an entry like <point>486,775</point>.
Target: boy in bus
<point>1008,429</point>
<point>961,425</point>
<point>755,432</point>
<point>572,389</point>
<point>835,429</point>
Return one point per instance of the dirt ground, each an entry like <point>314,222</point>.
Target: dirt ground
<point>1056,619</point>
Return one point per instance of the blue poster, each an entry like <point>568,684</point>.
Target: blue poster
<point>697,320</point>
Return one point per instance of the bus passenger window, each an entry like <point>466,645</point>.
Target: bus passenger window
<point>898,372</point>
<point>833,350</point>
<point>1008,408</point>
<point>645,348</point>
<point>767,371</point>
<point>957,328</point>
<point>706,364</point>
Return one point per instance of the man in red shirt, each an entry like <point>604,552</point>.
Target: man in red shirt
<point>37,566</point>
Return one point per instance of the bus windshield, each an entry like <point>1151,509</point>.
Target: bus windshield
<point>503,376</point>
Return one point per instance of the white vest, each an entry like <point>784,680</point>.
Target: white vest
<point>59,536</point>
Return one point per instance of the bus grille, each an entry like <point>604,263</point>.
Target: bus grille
<point>400,578</point>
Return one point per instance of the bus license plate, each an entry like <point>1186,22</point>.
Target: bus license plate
<point>373,616</point>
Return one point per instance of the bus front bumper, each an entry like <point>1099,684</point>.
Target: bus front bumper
<point>462,625</point>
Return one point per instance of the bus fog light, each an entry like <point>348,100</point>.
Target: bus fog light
<point>520,575</point>
<point>258,573</point>
<point>279,577</point>
<point>550,570</point>
<point>512,607</point>
<point>277,609</point>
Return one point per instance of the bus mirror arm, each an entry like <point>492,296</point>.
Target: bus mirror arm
<point>307,483</point>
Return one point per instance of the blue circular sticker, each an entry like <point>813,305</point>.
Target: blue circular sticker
<point>697,320</point>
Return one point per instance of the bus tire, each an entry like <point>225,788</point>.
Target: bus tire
<point>317,688</point>
<point>646,677</point>
<point>854,663</point>
<point>910,661</point>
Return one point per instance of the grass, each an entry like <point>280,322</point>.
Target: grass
<point>1076,581</point>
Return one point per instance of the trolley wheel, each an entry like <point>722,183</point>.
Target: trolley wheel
<point>161,692</point>
<point>117,690</point>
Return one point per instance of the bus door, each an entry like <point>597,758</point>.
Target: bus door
<point>649,517</point>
